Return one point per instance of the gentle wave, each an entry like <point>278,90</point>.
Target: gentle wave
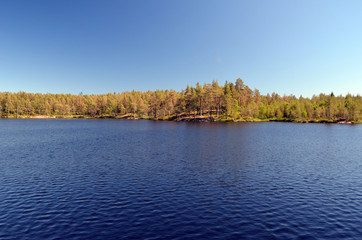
<point>148,180</point>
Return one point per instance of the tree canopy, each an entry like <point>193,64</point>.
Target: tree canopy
<point>234,101</point>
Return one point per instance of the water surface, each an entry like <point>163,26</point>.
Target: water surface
<point>124,179</point>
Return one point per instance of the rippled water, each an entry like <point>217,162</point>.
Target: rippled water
<point>111,179</point>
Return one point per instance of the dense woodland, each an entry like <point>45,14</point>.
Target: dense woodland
<point>231,101</point>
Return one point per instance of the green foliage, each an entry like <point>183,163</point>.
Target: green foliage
<point>229,102</point>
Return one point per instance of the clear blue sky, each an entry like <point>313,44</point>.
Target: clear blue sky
<point>292,47</point>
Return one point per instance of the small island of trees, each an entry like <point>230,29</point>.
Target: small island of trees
<point>209,102</point>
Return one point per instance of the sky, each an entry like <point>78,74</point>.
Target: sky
<point>94,47</point>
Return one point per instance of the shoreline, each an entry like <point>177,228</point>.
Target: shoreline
<point>201,119</point>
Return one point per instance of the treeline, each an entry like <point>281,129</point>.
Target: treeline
<point>229,101</point>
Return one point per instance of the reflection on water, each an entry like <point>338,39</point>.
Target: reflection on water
<point>100,179</point>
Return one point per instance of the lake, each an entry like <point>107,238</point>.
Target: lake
<point>129,179</point>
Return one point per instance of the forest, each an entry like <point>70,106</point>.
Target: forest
<point>228,102</point>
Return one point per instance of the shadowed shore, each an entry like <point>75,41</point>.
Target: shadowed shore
<point>186,118</point>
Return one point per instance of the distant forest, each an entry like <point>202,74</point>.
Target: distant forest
<point>228,102</point>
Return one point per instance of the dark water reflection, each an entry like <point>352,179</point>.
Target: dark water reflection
<point>109,179</point>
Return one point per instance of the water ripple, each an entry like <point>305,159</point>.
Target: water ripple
<point>148,180</point>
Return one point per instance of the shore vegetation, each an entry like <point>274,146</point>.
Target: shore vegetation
<point>208,102</point>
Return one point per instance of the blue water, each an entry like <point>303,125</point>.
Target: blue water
<point>124,179</point>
